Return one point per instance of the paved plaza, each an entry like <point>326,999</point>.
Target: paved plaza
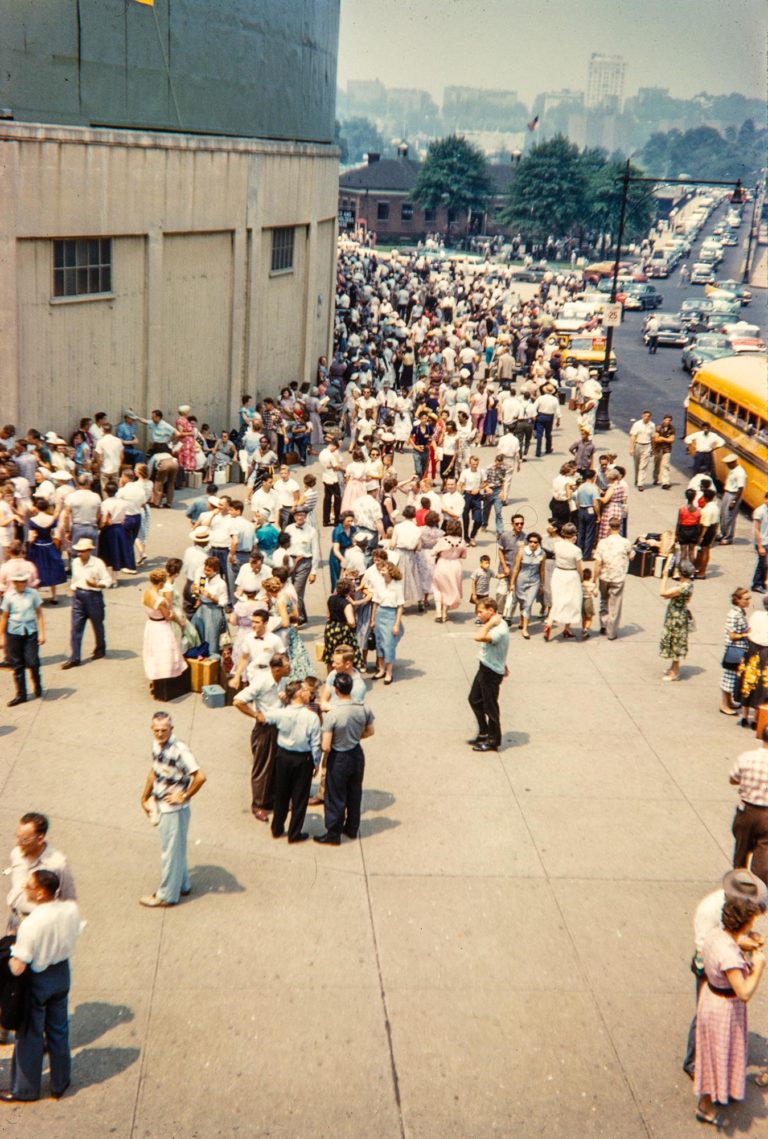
<point>504,953</point>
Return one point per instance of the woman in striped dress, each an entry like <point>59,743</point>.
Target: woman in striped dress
<point>721,1015</point>
<point>736,625</point>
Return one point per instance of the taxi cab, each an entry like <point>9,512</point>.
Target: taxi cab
<point>587,348</point>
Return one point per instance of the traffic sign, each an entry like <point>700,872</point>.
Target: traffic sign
<point>612,316</point>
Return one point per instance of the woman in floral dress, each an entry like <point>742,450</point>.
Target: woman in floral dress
<point>674,636</point>
<point>186,453</point>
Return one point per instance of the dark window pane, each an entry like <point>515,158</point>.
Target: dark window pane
<point>69,253</point>
<point>82,281</point>
<point>69,283</point>
<point>93,252</point>
<point>58,254</point>
<point>93,280</point>
<point>106,279</point>
<point>58,282</point>
<point>106,250</point>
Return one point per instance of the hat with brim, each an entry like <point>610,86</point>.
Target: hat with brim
<point>213,500</point>
<point>61,476</point>
<point>743,884</point>
<point>51,436</point>
<point>201,534</point>
<point>44,490</point>
<point>299,510</point>
<point>730,459</point>
<point>83,544</point>
<point>20,575</point>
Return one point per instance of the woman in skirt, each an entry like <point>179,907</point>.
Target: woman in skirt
<point>211,593</point>
<point>736,625</point>
<point>388,621</point>
<point>42,550</point>
<point>341,624</point>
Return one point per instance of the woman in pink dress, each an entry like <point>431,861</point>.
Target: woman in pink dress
<point>354,480</point>
<point>613,503</point>
<point>446,580</point>
<point>186,453</point>
<point>721,1016</point>
<point>163,660</point>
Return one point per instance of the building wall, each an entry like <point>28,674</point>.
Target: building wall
<point>195,314</point>
<point>255,68</point>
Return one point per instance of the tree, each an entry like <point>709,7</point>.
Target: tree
<point>604,194</point>
<point>361,137</point>
<point>341,142</point>
<point>454,174</point>
<point>549,192</point>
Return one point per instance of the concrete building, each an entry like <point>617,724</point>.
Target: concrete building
<point>605,82</point>
<point>169,187</point>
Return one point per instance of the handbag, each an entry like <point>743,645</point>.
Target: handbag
<point>733,656</point>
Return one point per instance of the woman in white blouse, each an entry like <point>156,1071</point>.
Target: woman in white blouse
<point>388,620</point>
<point>566,582</point>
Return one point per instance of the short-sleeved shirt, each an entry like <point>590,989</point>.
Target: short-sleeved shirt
<point>173,765</point>
<point>21,609</point>
<point>359,688</point>
<point>347,721</point>
<point>493,654</point>
<point>509,543</point>
<point>721,953</point>
<point>751,772</point>
<point>48,935</point>
<point>761,517</point>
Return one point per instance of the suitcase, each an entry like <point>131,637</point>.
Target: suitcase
<point>172,687</point>
<point>641,564</point>
<point>213,696</point>
<point>202,672</point>
<point>762,720</point>
<point>194,479</point>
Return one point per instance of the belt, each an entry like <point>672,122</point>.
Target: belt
<point>157,618</point>
<point>729,993</point>
<point>755,806</point>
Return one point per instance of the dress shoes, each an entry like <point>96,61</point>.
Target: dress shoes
<point>17,700</point>
<point>58,1095</point>
<point>99,655</point>
<point>153,902</point>
<point>328,839</point>
<point>11,1097</point>
<point>477,740</point>
<point>299,837</point>
<point>70,664</point>
<point>350,834</point>
<point>485,745</point>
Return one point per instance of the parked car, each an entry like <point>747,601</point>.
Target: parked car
<point>672,331</point>
<point>702,274</point>
<point>705,346</point>
<point>641,297</point>
<point>735,288</point>
<point>740,345</point>
<point>730,238</point>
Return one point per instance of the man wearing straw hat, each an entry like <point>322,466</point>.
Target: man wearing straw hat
<point>90,578</point>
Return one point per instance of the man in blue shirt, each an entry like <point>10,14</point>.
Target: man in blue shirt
<point>161,432</point>
<point>23,625</point>
<point>298,753</point>
<point>484,693</point>
<point>126,433</point>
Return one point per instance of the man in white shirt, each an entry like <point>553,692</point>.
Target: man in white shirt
<point>45,942</point>
<point>546,408</point>
<point>220,530</point>
<point>305,548</point>
<point>251,574</point>
<point>81,511</point>
<point>288,493</point>
<point>612,556</point>
<point>264,501</point>
<point>90,578</point>
<point>257,649</point>
<point>735,481</point>
<point>452,502</point>
<point>109,455</point>
<point>511,410</point>
<point>33,852</point>
<point>470,484</point>
<point>760,538</point>
<point>262,694</point>
<point>369,516</point>
<point>703,442</point>
<point>641,435</point>
<point>332,471</point>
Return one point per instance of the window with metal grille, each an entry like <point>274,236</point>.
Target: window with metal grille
<point>406,212</point>
<point>82,266</point>
<point>282,249</point>
<point>382,211</point>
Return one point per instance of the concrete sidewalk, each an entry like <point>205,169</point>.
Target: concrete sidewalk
<point>504,953</point>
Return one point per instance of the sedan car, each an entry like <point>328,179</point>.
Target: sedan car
<point>706,355</point>
<point>672,333</point>
<point>641,297</point>
<point>730,238</point>
<point>701,347</point>
<point>735,288</point>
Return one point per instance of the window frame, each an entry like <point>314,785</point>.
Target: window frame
<point>282,250</point>
<point>406,212</point>
<point>382,211</point>
<point>80,272</point>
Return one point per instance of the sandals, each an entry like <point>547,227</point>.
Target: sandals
<point>729,712</point>
<point>715,1120</point>
<point>527,636</point>
<point>761,1079</point>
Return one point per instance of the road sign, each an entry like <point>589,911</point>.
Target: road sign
<point>612,316</point>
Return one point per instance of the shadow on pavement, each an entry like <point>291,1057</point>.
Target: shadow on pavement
<point>213,880</point>
<point>377,800</point>
<point>95,1065</point>
<point>58,693</point>
<point>6,729</point>
<point>92,1019</point>
<point>370,827</point>
<point>515,739</point>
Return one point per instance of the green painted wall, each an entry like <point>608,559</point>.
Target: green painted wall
<point>259,68</point>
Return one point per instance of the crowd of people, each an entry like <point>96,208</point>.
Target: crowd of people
<point>436,367</point>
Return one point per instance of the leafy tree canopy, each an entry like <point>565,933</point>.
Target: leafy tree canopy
<point>550,191</point>
<point>357,137</point>
<point>455,174</point>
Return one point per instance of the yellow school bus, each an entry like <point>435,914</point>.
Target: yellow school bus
<point>731,395</point>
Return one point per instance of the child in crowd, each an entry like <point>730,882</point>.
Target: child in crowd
<point>481,584</point>
<point>588,595</point>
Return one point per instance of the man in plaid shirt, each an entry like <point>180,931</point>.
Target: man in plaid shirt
<point>750,823</point>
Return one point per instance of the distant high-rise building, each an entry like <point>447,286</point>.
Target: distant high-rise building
<point>605,81</point>
<point>479,108</point>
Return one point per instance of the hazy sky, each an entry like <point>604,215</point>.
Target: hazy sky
<point>530,46</point>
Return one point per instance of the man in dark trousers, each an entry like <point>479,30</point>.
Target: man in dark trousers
<point>484,693</point>
<point>345,724</point>
<point>261,694</point>
<point>297,755</point>
<point>90,577</point>
<point>45,942</point>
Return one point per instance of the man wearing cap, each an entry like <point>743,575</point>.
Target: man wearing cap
<point>736,885</point>
<point>126,433</point>
<point>750,822</point>
<point>23,626</point>
<point>735,481</point>
<point>192,563</point>
<point>81,511</point>
<point>90,578</point>
<point>305,548</point>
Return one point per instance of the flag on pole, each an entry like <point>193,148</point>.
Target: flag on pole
<point>533,125</point>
